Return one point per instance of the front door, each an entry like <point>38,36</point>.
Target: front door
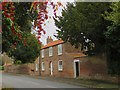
<point>51,68</point>
<point>76,68</point>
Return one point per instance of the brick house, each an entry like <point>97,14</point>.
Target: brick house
<point>60,59</point>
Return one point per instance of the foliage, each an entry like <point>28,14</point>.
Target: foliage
<point>1,61</point>
<point>29,52</point>
<point>17,41</point>
<point>24,16</point>
<point>98,22</point>
<point>113,31</point>
<point>1,67</point>
<point>113,39</point>
<point>17,24</point>
<point>83,24</point>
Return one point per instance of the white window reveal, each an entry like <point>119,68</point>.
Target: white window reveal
<point>42,53</point>
<point>50,51</point>
<point>36,67</point>
<point>59,49</point>
<point>60,65</point>
<point>43,66</point>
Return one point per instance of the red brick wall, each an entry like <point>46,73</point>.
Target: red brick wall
<point>71,49</point>
<point>20,69</point>
<point>91,66</point>
<point>67,65</point>
<point>88,66</point>
<point>23,68</point>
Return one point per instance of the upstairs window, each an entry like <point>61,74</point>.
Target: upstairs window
<point>42,53</point>
<point>50,51</point>
<point>60,49</point>
<point>60,65</point>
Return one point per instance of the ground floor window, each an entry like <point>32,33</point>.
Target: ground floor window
<point>36,67</point>
<point>60,65</point>
<point>43,66</point>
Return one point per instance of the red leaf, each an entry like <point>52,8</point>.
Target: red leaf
<point>39,36</point>
<point>12,18</point>
<point>45,2</point>
<point>39,33</point>
<point>44,32</point>
<point>0,6</point>
<point>46,16</point>
<point>52,3</point>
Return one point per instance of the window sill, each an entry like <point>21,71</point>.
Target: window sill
<point>43,70</point>
<point>60,54</point>
<point>60,70</point>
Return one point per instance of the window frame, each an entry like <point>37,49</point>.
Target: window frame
<point>60,67</point>
<point>50,51</point>
<point>36,67</point>
<point>60,51</point>
<point>42,53</point>
<point>43,66</point>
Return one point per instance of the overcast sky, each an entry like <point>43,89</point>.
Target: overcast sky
<point>50,27</point>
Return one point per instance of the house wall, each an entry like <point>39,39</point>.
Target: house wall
<point>89,66</point>
<point>37,68</point>
<point>67,63</point>
<point>71,49</point>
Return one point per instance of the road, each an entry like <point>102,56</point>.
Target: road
<point>21,81</point>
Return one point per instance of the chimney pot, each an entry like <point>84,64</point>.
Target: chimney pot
<point>49,39</point>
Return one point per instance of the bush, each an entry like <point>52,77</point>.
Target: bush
<point>1,67</point>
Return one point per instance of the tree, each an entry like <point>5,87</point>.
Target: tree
<point>16,26</point>
<point>98,22</point>
<point>29,52</point>
<point>24,16</point>
<point>1,61</point>
<point>14,23</point>
<point>17,41</point>
<point>83,24</point>
<point>113,39</point>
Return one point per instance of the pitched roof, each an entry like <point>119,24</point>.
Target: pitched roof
<point>77,55</point>
<point>50,44</point>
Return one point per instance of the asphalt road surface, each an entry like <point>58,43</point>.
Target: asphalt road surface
<point>20,81</point>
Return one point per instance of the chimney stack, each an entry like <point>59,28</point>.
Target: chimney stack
<point>49,39</point>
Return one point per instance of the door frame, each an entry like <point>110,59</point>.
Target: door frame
<point>51,68</point>
<point>75,67</point>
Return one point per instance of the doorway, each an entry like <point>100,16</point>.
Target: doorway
<point>51,68</point>
<point>76,68</point>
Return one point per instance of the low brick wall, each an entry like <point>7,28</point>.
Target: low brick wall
<point>28,69</point>
<point>20,69</point>
<point>95,68</point>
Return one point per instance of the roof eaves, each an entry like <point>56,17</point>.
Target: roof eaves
<point>51,45</point>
